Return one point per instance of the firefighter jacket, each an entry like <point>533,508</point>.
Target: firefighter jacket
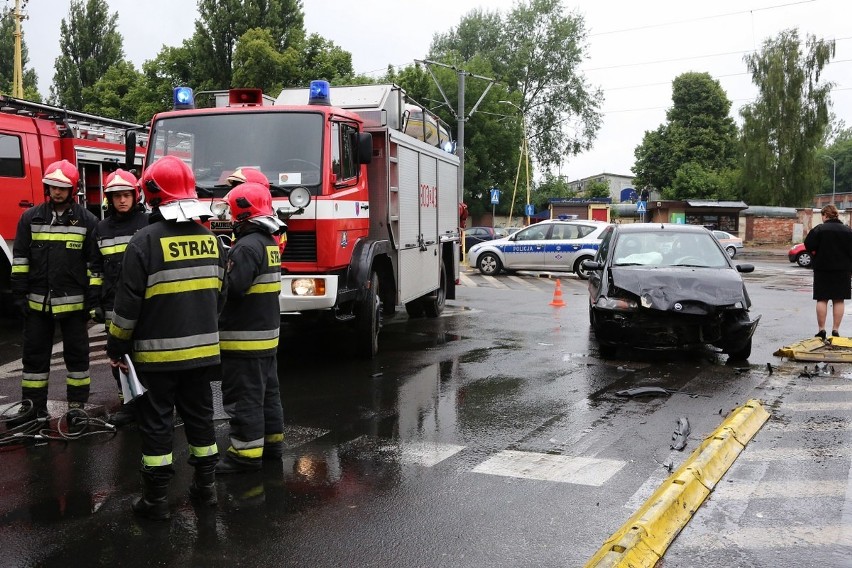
<point>251,321</point>
<point>168,298</point>
<point>51,259</point>
<point>112,235</point>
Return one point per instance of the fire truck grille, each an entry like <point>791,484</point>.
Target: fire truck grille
<point>301,247</point>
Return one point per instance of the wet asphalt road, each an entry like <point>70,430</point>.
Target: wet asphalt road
<point>491,436</point>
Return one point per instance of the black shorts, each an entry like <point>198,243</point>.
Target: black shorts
<point>832,285</point>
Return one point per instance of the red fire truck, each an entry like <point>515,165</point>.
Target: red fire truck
<point>34,135</point>
<point>372,212</point>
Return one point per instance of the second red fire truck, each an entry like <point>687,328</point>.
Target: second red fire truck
<point>372,211</point>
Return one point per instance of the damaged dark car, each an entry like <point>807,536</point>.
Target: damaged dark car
<point>668,287</point>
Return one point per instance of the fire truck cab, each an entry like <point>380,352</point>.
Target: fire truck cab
<point>372,212</point>
<point>32,136</point>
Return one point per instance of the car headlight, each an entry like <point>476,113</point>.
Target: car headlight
<point>622,304</point>
<point>308,287</point>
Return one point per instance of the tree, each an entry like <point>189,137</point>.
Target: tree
<point>7,59</point>
<point>837,177</point>
<point>222,23</point>
<point>699,137</point>
<point>786,125</point>
<point>598,189</point>
<point>536,50</point>
<point>109,96</point>
<point>90,44</point>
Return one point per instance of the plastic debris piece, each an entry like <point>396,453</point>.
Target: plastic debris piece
<point>644,391</point>
<point>769,368</point>
<point>681,433</point>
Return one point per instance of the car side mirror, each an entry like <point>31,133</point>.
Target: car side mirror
<point>595,265</point>
<point>745,268</point>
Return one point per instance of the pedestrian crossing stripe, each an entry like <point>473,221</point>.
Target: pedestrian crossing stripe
<point>549,467</point>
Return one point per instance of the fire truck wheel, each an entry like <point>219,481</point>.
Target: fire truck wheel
<point>368,321</point>
<point>434,305</point>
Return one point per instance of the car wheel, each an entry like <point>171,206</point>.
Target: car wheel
<point>804,259</point>
<point>732,251</point>
<point>489,264</point>
<point>581,272</point>
<point>743,354</point>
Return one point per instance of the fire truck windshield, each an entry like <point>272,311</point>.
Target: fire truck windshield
<point>285,146</point>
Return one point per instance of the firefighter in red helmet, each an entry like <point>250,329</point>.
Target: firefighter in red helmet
<point>165,319</point>
<point>248,331</point>
<point>125,216</point>
<point>52,284</point>
<point>246,174</point>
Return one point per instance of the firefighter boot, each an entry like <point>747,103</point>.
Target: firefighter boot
<point>203,488</point>
<point>125,415</point>
<point>231,464</point>
<point>273,451</point>
<point>153,504</point>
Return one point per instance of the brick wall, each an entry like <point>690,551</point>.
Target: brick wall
<point>769,230</point>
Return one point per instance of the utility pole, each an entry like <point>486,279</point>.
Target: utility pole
<point>18,73</point>
<point>459,114</point>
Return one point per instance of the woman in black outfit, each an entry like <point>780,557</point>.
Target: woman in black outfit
<point>830,244</point>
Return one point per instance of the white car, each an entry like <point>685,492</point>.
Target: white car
<point>732,244</point>
<point>552,245</point>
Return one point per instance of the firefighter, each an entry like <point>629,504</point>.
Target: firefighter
<point>245,174</point>
<point>248,330</point>
<point>52,283</point>
<point>165,318</point>
<point>125,217</point>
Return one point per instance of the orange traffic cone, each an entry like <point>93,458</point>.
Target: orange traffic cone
<point>557,296</point>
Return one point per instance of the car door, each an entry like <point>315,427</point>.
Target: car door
<point>527,248</point>
<point>561,247</point>
<point>475,235</point>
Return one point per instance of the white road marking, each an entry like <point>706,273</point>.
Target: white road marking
<point>768,537</point>
<point>818,406</point>
<point>523,282</point>
<point>428,454</point>
<point>547,467</point>
<point>467,281</point>
<point>495,282</point>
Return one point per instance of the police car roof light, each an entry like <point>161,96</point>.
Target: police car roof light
<point>183,98</point>
<point>320,93</point>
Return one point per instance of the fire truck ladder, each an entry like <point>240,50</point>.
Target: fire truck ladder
<point>75,124</point>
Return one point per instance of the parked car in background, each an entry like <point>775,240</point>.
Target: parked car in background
<point>666,286</point>
<point>552,245</point>
<point>476,235</point>
<point>800,255</point>
<point>732,244</point>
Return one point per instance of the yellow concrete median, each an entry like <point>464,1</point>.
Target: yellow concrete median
<point>643,539</point>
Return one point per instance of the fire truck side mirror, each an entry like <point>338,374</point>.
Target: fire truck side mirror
<point>130,150</point>
<point>365,147</point>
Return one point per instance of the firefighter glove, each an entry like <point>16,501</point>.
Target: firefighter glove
<point>97,315</point>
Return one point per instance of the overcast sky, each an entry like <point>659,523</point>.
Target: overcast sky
<point>635,49</point>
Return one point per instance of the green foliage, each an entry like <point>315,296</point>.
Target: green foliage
<point>694,181</point>
<point>784,128</point>
<point>552,187</point>
<point>90,44</point>
<point>699,135</point>
<point>598,189</point>
<point>109,95</point>
<point>535,50</point>
<point>841,152</point>
<point>7,60</point>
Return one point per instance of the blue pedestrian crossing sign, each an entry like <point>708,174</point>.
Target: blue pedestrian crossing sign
<point>495,195</point>
<point>641,207</point>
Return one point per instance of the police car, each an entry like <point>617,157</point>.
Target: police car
<point>553,245</point>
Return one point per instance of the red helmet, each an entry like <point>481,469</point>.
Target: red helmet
<point>167,180</point>
<point>248,201</point>
<point>121,180</point>
<point>243,175</point>
<point>61,174</point>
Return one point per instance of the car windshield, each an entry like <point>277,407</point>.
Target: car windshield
<point>669,248</point>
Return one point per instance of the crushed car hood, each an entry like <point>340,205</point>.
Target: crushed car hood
<point>661,288</point>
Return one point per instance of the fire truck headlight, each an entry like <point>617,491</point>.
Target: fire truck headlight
<point>220,209</point>
<point>300,197</point>
<point>308,287</point>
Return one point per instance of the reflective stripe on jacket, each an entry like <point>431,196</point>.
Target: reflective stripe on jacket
<point>251,321</point>
<point>168,298</point>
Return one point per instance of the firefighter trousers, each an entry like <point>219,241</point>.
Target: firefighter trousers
<point>39,329</point>
<point>252,398</point>
<point>190,392</point>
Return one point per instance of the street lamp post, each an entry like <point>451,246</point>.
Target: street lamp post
<point>833,176</point>
<point>523,158</point>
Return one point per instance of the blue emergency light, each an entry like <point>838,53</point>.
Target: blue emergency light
<point>320,93</point>
<point>183,98</point>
